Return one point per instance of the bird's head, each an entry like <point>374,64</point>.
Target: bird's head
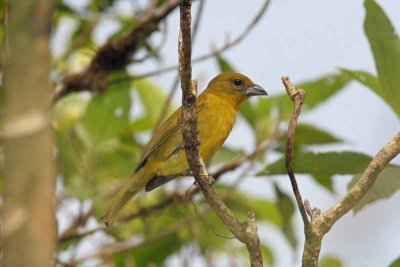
<point>234,86</point>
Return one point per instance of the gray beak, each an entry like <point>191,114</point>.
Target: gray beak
<point>256,90</point>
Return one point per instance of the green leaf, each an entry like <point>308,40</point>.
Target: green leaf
<point>387,183</point>
<point>155,253</point>
<point>225,154</point>
<point>247,111</point>
<point>322,89</point>
<point>153,98</point>
<point>241,204</point>
<point>266,210</point>
<point>366,79</point>
<point>259,114</point>
<point>395,263</point>
<point>223,64</point>
<point>101,5</point>
<point>317,91</point>
<point>325,164</point>
<point>329,261</point>
<point>107,114</point>
<point>385,45</point>
<point>268,255</point>
<point>325,181</point>
<point>68,111</point>
<point>286,209</point>
<point>307,134</point>
<point>96,151</point>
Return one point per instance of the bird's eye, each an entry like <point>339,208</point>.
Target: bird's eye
<point>237,82</point>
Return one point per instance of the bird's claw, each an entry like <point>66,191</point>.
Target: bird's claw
<point>188,173</point>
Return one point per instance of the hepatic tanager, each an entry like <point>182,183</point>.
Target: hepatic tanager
<point>164,156</point>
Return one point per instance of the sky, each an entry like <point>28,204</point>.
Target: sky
<point>305,39</point>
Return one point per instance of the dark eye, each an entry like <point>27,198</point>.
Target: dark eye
<point>237,82</point>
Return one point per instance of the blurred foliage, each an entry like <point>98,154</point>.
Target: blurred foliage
<point>286,209</point>
<point>99,138</point>
<point>329,261</point>
<point>395,263</point>
<point>385,186</point>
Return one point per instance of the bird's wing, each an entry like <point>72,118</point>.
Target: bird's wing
<point>168,128</point>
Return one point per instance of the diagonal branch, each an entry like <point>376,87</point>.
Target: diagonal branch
<point>245,232</point>
<point>114,55</point>
<point>215,52</point>
<point>322,222</point>
<point>357,192</point>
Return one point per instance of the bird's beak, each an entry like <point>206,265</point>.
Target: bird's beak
<point>255,90</point>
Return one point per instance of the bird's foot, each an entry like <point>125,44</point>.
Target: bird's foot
<point>188,173</point>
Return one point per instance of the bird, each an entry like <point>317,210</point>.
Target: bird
<point>164,157</point>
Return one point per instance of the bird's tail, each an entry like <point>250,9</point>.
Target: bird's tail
<point>129,188</point>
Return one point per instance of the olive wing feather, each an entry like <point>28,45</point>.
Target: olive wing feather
<point>168,128</point>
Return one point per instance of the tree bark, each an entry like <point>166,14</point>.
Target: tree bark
<point>29,228</point>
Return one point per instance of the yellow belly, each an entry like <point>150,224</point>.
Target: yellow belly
<point>213,131</point>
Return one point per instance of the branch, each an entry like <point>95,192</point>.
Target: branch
<point>322,222</point>
<point>174,86</point>
<point>245,232</point>
<point>357,192</point>
<point>73,230</point>
<point>114,55</point>
<point>228,45</point>
<point>297,96</point>
<point>176,198</point>
<point>107,251</point>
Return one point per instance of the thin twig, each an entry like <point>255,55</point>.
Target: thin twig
<point>297,96</point>
<point>174,86</point>
<point>212,54</point>
<point>176,198</point>
<point>73,229</point>
<point>245,232</point>
<point>155,50</point>
<point>114,55</point>
<point>108,251</point>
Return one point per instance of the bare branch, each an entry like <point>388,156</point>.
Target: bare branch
<point>212,54</point>
<point>154,50</point>
<point>114,55</point>
<point>245,232</point>
<point>73,230</point>
<point>108,251</point>
<point>322,222</point>
<point>357,192</point>
<point>297,96</point>
<point>174,86</point>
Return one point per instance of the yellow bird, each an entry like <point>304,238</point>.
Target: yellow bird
<point>164,156</point>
